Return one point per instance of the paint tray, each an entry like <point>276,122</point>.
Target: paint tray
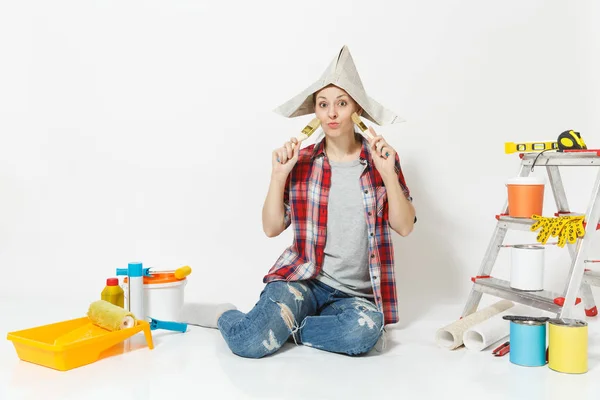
<point>73,343</point>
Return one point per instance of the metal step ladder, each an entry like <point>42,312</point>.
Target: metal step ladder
<point>579,278</point>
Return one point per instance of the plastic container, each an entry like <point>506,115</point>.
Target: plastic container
<point>568,345</point>
<point>39,345</point>
<point>525,196</point>
<point>527,267</point>
<point>528,343</point>
<point>164,296</point>
<point>113,293</point>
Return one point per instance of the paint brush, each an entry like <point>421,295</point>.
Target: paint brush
<point>365,130</point>
<point>361,125</point>
<point>307,131</point>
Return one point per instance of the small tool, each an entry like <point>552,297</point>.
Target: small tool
<point>179,273</point>
<point>306,132</point>
<point>364,129</point>
<point>529,147</point>
<point>571,140</point>
<point>503,345</point>
<point>502,350</point>
<point>167,325</point>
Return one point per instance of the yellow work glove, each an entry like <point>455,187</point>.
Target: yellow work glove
<point>545,224</point>
<point>572,230</point>
<point>567,228</point>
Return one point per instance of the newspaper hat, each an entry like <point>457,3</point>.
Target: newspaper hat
<point>343,74</point>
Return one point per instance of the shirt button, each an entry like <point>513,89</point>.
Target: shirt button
<point>366,191</point>
<point>370,213</point>
<point>371,234</point>
<point>374,276</point>
<point>372,255</point>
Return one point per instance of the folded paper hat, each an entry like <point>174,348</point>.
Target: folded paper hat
<point>343,74</point>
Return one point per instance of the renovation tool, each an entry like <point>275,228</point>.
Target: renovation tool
<point>568,345</point>
<point>73,343</point>
<point>168,325</point>
<point>502,349</point>
<point>113,293</point>
<point>306,132</point>
<point>571,140</point>
<point>364,129</point>
<point>103,316</point>
<point>361,125</point>
<point>451,336</point>
<point>529,147</point>
<point>527,340</point>
<point>110,316</point>
<point>135,288</point>
<point>179,273</point>
<point>578,280</point>
<point>525,196</point>
<point>527,267</point>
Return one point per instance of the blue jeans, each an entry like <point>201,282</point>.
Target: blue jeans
<point>312,313</point>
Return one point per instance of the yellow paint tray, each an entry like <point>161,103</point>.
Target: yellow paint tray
<point>73,343</point>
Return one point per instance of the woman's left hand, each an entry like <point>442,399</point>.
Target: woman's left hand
<point>384,155</point>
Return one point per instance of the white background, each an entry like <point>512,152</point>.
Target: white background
<point>142,131</point>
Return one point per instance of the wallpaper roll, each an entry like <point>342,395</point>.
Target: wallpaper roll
<point>492,330</point>
<point>451,336</point>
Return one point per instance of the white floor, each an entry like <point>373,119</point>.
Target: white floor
<point>197,364</point>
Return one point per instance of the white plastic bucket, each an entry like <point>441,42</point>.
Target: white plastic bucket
<point>164,301</point>
<point>164,296</point>
<point>527,267</point>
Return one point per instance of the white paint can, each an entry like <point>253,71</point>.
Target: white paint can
<point>527,267</point>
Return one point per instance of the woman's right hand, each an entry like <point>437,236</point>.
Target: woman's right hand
<point>284,158</point>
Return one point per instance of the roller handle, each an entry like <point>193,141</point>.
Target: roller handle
<point>167,325</point>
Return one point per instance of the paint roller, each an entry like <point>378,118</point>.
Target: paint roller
<point>109,316</point>
<point>113,318</point>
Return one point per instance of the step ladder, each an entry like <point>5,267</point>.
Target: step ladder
<point>577,287</point>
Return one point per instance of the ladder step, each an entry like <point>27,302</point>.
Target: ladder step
<point>542,299</point>
<point>523,224</point>
<point>591,278</point>
<point>590,158</point>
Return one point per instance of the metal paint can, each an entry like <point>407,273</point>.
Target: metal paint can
<point>527,267</point>
<point>568,345</point>
<point>528,343</point>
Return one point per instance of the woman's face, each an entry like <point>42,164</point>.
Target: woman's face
<point>334,107</point>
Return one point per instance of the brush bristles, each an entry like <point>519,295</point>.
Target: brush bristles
<point>359,122</point>
<point>311,127</point>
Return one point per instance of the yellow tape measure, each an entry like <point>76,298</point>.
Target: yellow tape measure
<point>569,140</point>
<point>529,147</point>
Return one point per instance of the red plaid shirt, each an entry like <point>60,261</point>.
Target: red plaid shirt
<point>305,199</point>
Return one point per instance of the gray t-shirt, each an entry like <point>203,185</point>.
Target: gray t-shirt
<point>345,264</point>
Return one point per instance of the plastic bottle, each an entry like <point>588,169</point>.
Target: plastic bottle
<point>113,293</point>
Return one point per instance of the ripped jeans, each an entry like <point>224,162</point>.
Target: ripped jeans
<point>313,313</point>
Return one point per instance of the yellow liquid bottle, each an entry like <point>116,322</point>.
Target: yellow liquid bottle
<point>113,293</point>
